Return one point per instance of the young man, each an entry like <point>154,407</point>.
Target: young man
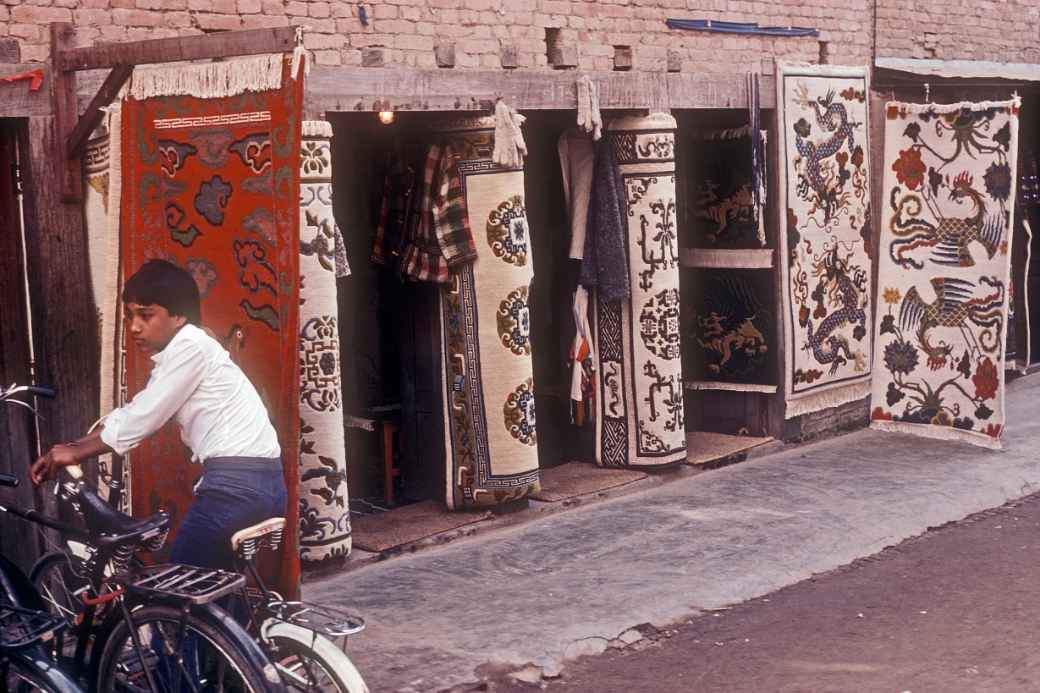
<point>220,414</point>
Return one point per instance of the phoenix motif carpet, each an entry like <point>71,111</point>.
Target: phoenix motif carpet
<point>488,390</point>
<point>640,419</point>
<point>324,507</point>
<point>825,261</point>
<point>944,269</point>
<point>213,185</point>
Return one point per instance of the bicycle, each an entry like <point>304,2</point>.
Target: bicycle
<point>25,663</point>
<point>153,629</point>
<point>299,637</point>
<point>25,629</point>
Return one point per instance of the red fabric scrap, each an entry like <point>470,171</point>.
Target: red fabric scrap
<point>35,78</point>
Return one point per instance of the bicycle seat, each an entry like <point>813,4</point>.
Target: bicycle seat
<point>101,518</point>
<point>264,535</point>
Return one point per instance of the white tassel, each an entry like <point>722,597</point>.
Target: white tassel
<point>589,118</point>
<point>209,80</point>
<point>510,147</point>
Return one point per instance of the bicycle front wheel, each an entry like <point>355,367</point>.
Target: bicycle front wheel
<point>199,657</point>
<point>308,661</point>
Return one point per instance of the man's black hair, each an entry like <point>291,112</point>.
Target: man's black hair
<point>162,283</point>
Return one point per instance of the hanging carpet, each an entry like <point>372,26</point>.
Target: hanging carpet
<point>725,210</point>
<point>324,509</point>
<point>210,163</point>
<point>640,420</point>
<point>488,391</point>
<point>101,214</point>
<point>730,330</point>
<point>949,196</point>
<point>825,263</point>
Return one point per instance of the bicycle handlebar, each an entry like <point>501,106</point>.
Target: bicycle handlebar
<point>42,391</point>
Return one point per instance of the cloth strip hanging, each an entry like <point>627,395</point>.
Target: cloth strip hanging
<point>720,27</point>
<point>589,118</point>
<point>510,148</point>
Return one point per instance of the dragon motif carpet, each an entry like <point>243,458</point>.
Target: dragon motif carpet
<point>324,509</point>
<point>944,268</point>
<point>488,391</point>
<point>212,184</point>
<point>825,262</point>
<point>729,293</point>
<point>730,329</point>
<point>725,214</point>
<point>640,420</point>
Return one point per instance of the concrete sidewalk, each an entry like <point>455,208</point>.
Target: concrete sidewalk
<point>569,583</point>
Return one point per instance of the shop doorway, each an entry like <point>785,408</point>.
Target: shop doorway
<point>731,329</point>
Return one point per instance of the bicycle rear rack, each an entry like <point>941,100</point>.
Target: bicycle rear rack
<point>22,627</point>
<point>197,585</point>
<point>329,621</point>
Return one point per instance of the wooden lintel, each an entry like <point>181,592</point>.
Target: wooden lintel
<point>63,95</point>
<point>87,122</point>
<point>224,44</point>
<point>336,89</point>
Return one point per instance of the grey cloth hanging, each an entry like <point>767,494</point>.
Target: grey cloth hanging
<point>605,262</point>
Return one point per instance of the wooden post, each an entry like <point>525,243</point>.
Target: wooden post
<point>63,311</point>
<point>63,90</point>
<point>17,537</point>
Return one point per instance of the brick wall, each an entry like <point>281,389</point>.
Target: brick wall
<point>998,30</point>
<point>406,32</point>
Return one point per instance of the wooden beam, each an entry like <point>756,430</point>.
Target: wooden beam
<point>223,44</point>
<point>332,89</point>
<point>87,123</point>
<point>63,96</point>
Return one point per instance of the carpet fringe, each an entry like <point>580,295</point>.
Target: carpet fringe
<point>209,80</point>
<point>938,433</point>
<point>825,400</point>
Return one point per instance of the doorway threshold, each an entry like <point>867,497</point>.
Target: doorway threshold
<point>706,450</point>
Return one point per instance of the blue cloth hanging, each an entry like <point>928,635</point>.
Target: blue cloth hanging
<point>750,28</point>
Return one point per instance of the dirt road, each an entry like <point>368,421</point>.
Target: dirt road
<point>957,609</point>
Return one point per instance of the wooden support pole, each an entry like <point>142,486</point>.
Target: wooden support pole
<point>92,117</point>
<point>63,309</point>
<point>219,45</point>
<point>63,95</point>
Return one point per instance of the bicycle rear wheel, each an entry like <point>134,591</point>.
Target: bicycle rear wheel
<point>308,661</point>
<point>202,658</point>
<point>60,585</point>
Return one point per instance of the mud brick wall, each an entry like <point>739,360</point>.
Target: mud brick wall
<point>997,30</point>
<point>490,34</point>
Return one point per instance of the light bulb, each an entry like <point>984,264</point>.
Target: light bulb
<point>386,117</point>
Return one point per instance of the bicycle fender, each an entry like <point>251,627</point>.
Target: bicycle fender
<point>37,660</point>
<point>345,668</point>
<point>17,587</point>
<point>234,631</point>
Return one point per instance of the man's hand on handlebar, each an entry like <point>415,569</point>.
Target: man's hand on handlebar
<point>57,456</point>
<point>66,455</point>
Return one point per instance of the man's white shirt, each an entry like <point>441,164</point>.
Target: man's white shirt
<point>195,382</point>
